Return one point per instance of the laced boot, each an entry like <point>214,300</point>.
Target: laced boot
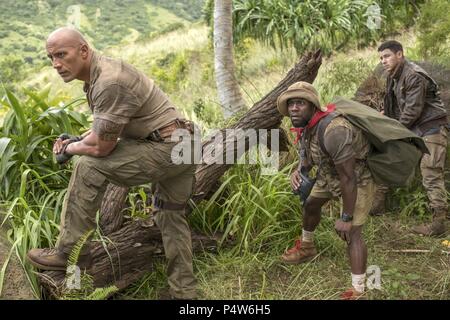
<point>435,228</point>
<point>54,259</point>
<point>301,252</point>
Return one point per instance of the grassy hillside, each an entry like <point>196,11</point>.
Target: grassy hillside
<point>24,26</point>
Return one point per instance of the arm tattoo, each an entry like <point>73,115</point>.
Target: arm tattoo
<point>107,130</point>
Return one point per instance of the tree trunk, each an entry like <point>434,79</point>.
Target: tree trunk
<point>111,217</point>
<point>230,97</point>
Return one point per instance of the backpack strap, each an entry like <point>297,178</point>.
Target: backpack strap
<point>322,126</point>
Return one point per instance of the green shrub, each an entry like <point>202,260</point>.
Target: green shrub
<point>27,135</point>
<point>341,77</point>
<point>170,71</point>
<point>433,28</point>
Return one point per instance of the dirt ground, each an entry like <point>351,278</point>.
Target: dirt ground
<point>15,285</point>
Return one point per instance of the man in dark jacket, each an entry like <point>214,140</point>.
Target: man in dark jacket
<point>413,98</point>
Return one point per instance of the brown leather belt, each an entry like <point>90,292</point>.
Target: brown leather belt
<point>161,134</point>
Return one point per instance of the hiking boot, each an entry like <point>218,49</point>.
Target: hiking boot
<point>435,228</point>
<point>352,294</point>
<point>379,203</point>
<point>301,252</point>
<point>54,259</point>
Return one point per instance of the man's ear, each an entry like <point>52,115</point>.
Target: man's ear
<point>399,54</point>
<point>84,49</point>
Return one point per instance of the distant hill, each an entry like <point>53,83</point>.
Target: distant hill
<point>24,25</point>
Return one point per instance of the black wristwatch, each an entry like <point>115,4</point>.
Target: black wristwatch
<point>346,217</point>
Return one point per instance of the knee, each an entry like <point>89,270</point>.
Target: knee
<point>312,206</point>
<point>86,163</point>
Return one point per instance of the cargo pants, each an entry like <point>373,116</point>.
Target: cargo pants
<point>432,168</point>
<point>134,163</point>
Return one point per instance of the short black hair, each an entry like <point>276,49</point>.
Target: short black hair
<point>392,45</point>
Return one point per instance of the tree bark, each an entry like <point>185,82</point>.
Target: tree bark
<point>125,258</point>
<point>230,97</point>
<point>111,217</point>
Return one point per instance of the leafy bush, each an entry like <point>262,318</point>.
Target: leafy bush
<point>341,77</point>
<point>171,70</point>
<point>433,29</point>
<point>11,70</point>
<point>27,134</point>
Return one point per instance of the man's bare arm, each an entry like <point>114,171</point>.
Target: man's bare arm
<point>347,177</point>
<point>100,141</point>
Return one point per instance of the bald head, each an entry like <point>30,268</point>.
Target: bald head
<point>68,36</point>
<point>70,54</point>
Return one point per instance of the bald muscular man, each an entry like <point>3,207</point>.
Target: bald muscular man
<point>129,144</point>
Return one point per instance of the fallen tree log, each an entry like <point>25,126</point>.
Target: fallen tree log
<point>263,115</point>
<point>131,249</point>
<point>127,255</point>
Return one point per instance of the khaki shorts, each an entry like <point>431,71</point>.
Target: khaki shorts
<point>363,204</point>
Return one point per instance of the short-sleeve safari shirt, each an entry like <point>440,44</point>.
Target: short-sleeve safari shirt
<point>119,93</point>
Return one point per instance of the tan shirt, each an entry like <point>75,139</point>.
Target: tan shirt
<point>342,141</point>
<point>120,93</point>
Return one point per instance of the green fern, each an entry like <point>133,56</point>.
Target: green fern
<point>102,293</point>
<point>86,291</point>
<point>75,253</point>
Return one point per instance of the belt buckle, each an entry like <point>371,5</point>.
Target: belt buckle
<point>155,136</point>
<point>189,125</point>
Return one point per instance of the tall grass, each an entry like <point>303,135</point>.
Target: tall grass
<point>249,208</point>
<point>32,185</point>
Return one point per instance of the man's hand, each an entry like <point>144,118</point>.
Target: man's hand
<point>62,142</point>
<point>343,229</point>
<point>295,180</point>
<point>60,146</point>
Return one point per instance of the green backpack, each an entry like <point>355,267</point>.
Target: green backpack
<point>395,151</point>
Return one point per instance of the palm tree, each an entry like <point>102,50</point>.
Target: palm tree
<point>230,97</point>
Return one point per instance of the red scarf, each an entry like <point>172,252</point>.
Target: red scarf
<point>314,120</point>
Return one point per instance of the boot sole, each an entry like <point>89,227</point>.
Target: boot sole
<point>44,267</point>
<point>306,259</point>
